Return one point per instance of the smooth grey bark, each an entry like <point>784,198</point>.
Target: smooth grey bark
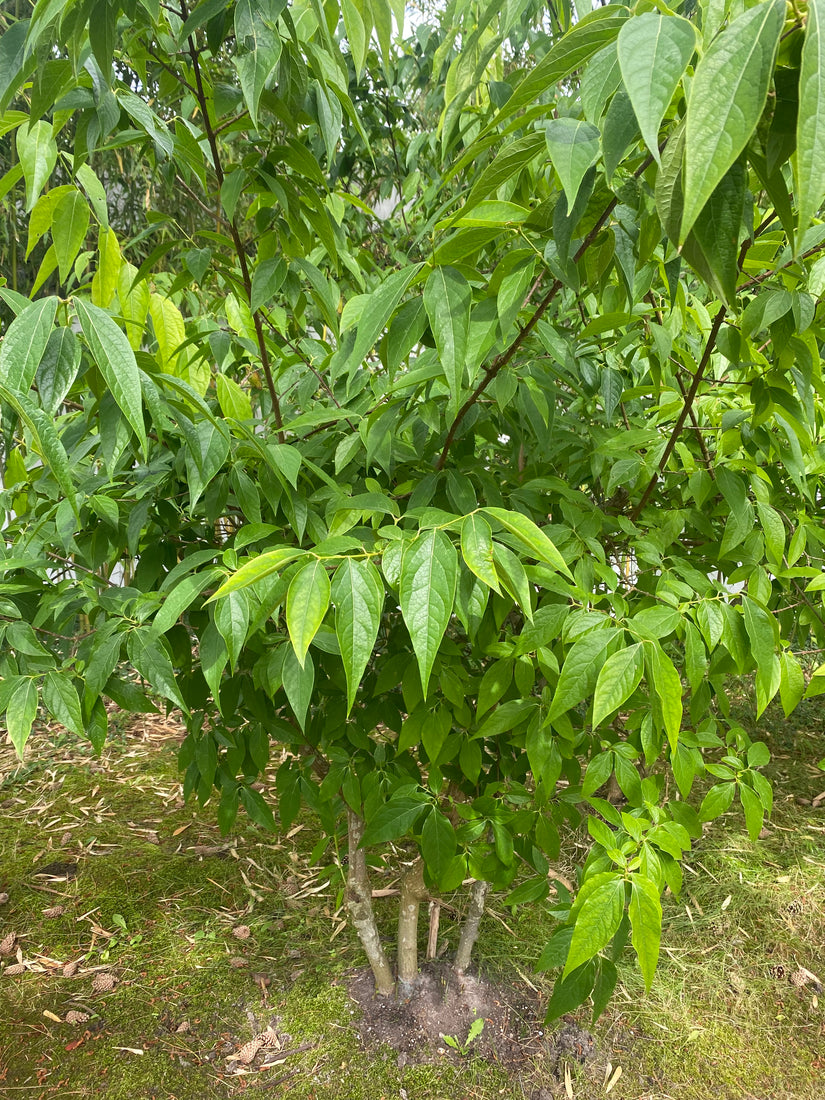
<point>359,907</point>
<point>469,931</point>
<point>413,892</point>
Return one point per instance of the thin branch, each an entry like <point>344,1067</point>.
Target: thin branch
<point>200,94</point>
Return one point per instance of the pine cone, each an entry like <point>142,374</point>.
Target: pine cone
<point>70,969</point>
<point>66,838</point>
<point>103,983</point>
<point>799,978</point>
<point>238,964</point>
<point>268,1038</point>
<point>182,1027</point>
<point>241,932</point>
<point>778,972</point>
<point>248,1051</point>
<point>76,1017</point>
<point>7,943</point>
<point>55,911</point>
<point>15,968</point>
<point>4,897</point>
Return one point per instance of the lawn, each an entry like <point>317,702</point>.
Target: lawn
<point>228,960</point>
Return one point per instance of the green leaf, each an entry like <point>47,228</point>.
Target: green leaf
<point>24,344</point>
<point>579,671</point>
<point>618,679</point>
<point>716,801</point>
<point>37,151</point>
<point>447,300</point>
<point>257,808</point>
<point>667,685</point>
<point>287,459</point>
<point>531,536</point>
<point>792,681</point>
<point>148,655</point>
<point>438,843</point>
<point>111,351</point>
<point>233,401</point>
<point>810,124</point>
<point>760,628</point>
<point>306,605</point>
<point>20,714</point>
<point>477,549</point>
<point>46,440</point>
<point>727,96</point>
<point>513,576</point>
<point>716,233</point>
<point>298,683</point>
<point>61,700</point>
<point>393,820</point>
<point>70,223</point>
<point>429,572</point>
<point>654,51</point>
<point>573,146</point>
<point>596,923</point>
<point>645,912</point>
<point>754,814</point>
<point>260,567</point>
<point>232,621</point>
<point>358,595</point>
<point>378,310</point>
<point>571,992</point>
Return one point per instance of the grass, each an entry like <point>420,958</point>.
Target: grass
<point>159,893</point>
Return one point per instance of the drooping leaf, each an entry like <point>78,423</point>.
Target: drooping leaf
<point>645,912</point>
<point>306,605</point>
<point>654,51</point>
<point>358,595</point>
<point>618,679</point>
<point>70,223</point>
<point>148,655</point>
<point>37,151</point>
<point>810,125</point>
<point>579,671</point>
<point>20,713</point>
<point>232,621</point>
<point>24,344</point>
<point>429,572</point>
<point>477,549</point>
<point>62,701</point>
<point>531,536</point>
<point>597,921</point>
<point>447,300</point>
<point>116,362</point>
<point>573,146</point>
<point>727,97</point>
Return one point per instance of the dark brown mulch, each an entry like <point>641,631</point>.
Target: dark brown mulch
<point>445,1003</point>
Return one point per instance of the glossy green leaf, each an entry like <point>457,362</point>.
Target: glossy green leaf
<point>298,681</point>
<point>716,801</point>
<point>438,843</point>
<point>792,682</point>
<point>116,361</point>
<point>645,912</point>
<point>667,685</point>
<point>429,572</point>
<point>571,992</point>
<point>597,921</point>
<point>447,300</point>
<point>306,605</point>
<point>573,146</point>
<point>654,51</point>
<point>37,151</point>
<point>358,595</point>
<point>20,713</point>
<point>727,97</point>
<point>24,344</point>
<point>579,671</point>
<point>618,679</point>
<point>810,125</point>
<point>260,567</point>
<point>754,813</point>
<point>379,309</point>
<point>70,223</point>
<point>477,549</point>
<point>393,820</point>
<point>232,621</point>
<point>46,441</point>
<point>531,536</point>
<point>62,701</point>
<point>151,660</point>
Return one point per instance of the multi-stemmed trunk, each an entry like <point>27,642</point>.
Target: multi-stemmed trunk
<point>413,893</point>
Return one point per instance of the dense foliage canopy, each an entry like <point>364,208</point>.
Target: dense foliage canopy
<point>437,410</point>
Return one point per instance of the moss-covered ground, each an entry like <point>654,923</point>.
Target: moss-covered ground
<point>161,902</point>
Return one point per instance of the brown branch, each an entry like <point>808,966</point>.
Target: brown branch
<point>203,103</point>
<point>683,415</point>
<point>506,356</point>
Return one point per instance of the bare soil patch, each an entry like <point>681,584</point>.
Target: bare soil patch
<point>447,1004</point>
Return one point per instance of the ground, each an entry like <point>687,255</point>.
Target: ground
<point>233,970</point>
